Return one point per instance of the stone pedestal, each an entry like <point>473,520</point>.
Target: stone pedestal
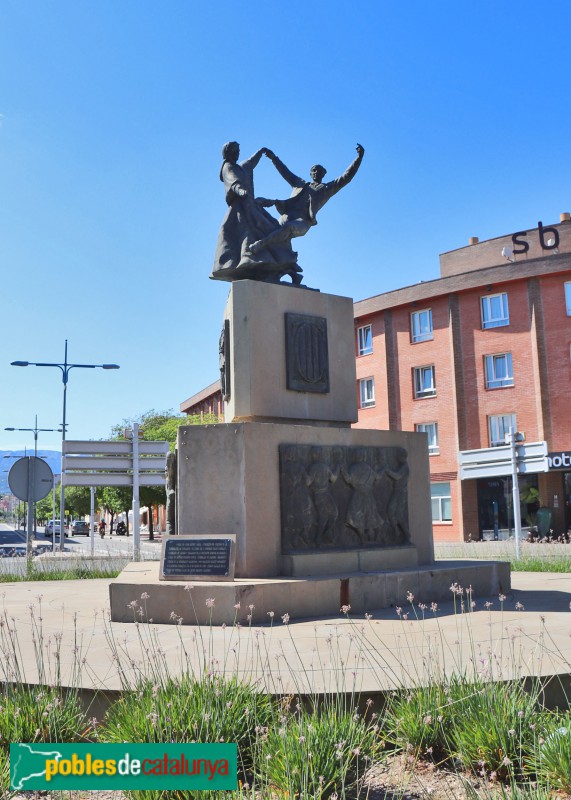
<point>281,337</point>
<point>308,596</point>
<point>322,515</point>
<point>229,482</point>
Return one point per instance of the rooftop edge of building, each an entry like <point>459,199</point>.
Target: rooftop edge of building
<point>486,266</point>
<point>518,247</point>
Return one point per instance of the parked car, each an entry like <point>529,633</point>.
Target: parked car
<point>79,528</point>
<point>49,529</point>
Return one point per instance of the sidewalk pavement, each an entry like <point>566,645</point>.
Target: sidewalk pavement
<point>527,633</point>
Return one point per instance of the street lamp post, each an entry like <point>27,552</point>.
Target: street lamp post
<point>65,370</point>
<point>35,430</point>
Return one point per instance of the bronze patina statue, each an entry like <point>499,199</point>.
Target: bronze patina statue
<point>246,221</point>
<point>253,244</point>
<point>299,212</point>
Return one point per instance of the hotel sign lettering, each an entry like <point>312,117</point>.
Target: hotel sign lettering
<point>561,460</point>
<point>522,246</point>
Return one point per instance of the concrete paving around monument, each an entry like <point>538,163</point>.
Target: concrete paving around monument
<point>335,653</point>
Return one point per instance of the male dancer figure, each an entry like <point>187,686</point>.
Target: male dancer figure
<point>299,211</point>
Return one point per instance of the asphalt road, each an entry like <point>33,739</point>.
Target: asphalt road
<point>13,543</point>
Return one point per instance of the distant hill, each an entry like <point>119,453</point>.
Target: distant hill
<point>52,457</point>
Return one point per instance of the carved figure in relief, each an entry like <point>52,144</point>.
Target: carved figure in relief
<point>320,476</point>
<point>222,360</point>
<point>362,514</point>
<point>300,514</point>
<point>170,475</point>
<point>397,508</point>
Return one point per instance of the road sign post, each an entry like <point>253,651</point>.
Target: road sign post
<point>136,504</point>
<point>30,479</point>
<point>513,438</point>
<point>31,511</point>
<point>514,458</point>
<point>117,463</point>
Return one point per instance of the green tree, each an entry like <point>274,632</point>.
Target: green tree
<point>78,500</point>
<point>77,503</point>
<point>157,426</point>
<point>21,511</point>
<point>44,508</point>
<point>115,500</point>
<point>162,426</point>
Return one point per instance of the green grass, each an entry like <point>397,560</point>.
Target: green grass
<point>317,752</point>
<point>552,761</point>
<point>494,732</point>
<point>70,567</point>
<point>538,564</point>
<point>64,574</point>
<point>534,556</point>
<point>211,708</point>
<point>39,714</point>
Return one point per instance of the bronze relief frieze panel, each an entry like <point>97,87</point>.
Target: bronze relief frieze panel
<point>339,497</point>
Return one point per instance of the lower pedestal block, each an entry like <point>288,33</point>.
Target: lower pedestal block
<point>315,596</point>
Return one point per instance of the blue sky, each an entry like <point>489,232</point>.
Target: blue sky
<point>113,114</point>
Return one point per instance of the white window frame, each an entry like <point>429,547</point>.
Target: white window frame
<point>498,423</point>
<point>488,318</point>
<point>493,380</point>
<point>568,297</point>
<point>366,392</point>
<point>420,332</point>
<point>431,429</point>
<point>364,349</point>
<point>440,517</point>
<point>418,382</point>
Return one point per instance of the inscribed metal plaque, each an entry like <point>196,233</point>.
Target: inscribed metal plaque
<point>307,357</point>
<point>198,558</point>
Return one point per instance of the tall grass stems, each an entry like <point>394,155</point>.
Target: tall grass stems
<point>303,725</point>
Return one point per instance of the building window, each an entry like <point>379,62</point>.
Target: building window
<point>421,329</point>
<point>367,392</point>
<point>430,428</point>
<point>441,502</point>
<point>495,312</point>
<point>365,340</point>
<point>568,297</point>
<point>424,382</point>
<point>500,424</point>
<point>499,372</point>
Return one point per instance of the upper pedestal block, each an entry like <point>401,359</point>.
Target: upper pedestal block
<point>287,354</point>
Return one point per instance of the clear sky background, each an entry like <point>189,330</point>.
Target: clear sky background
<point>113,115</point>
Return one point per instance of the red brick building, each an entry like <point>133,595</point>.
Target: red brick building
<point>484,347</point>
<point>207,403</point>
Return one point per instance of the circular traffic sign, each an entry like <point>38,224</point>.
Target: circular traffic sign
<point>30,479</point>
